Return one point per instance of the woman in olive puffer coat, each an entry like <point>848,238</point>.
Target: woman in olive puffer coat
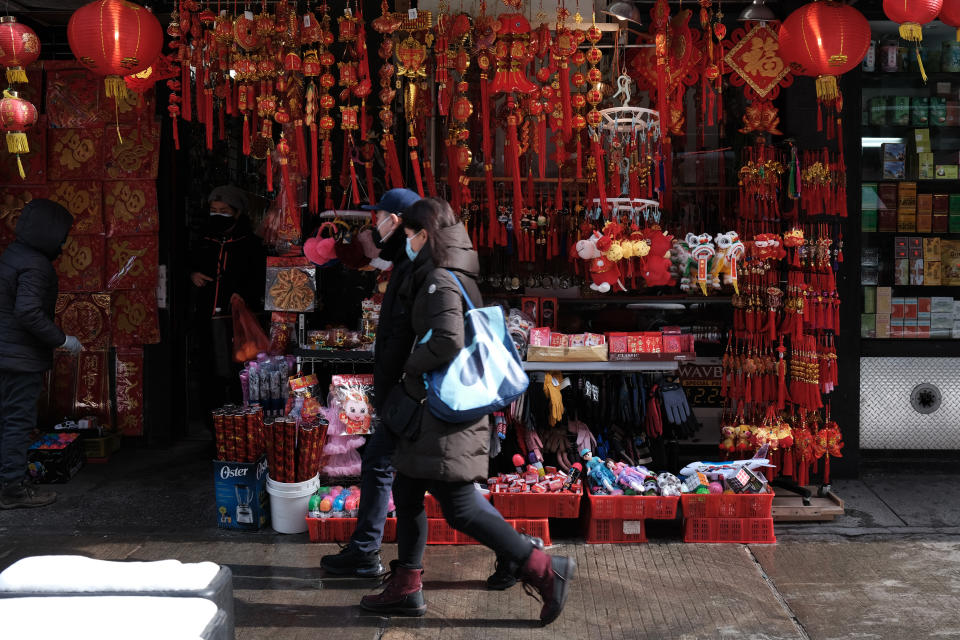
<point>443,458</point>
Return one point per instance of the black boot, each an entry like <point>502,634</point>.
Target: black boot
<point>25,495</point>
<point>353,561</point>
<point>505,575</point>
<point>548,576</point>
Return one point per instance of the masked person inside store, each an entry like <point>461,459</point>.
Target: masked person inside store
<point>227,258</point>
<point>442,458</point>
<point>28,336</point>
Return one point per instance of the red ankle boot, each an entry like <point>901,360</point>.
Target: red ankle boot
<point>550,576</point>
<point>403,594</point>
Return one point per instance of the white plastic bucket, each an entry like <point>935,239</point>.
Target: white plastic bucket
<point>288,504</point>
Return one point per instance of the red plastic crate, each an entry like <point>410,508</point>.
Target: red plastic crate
<point>605,531</point>
<point>729,530</point>
<point>439,532</point>
<point>727,505</point>
<point>538,505</point>
<point>432,505</point>
<point>633,507</point>
<point>340,529</point>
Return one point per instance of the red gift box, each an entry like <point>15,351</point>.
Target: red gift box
<point>82,198</point>
<point>130,206</point>
<point>80,267</point>
<point>74,154</point>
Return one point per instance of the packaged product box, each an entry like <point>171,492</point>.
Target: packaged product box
<point>870,257</point>
<point>923,330</point>
<point>941,304</point>
<point>883,325</point>
<point>884,300</point>
<point>910,308</point>
<point>915,243</point>
<point>950,262</point>
<point>954,206</point>
<point>924,304</point>
<point>896,327</point>
<point>651,342</point>
<point>941,320</point>
<point>887,195</point>
<point>869,276</point>
<point>910,327</point>
<point>924,212</point>
<point>919,110</point>
<point>940,333</point>
<point>896,308</point>
<point>877,111</point>
<point>900,112</point>
<point>941,208</point>
<point>907,197</point>
<point>869,204</point>
<point>901,272</point>
<point>559,340</point>
<point>926,169</point>
<point>869,299</point>
<point>947,171</point>
<point>953,113</point>
<point>540,337</point>
<point>894,160</point>
<point>907,222</point>
<point>916,271</point>
<point>240,492</point>
<point>953,222</point>
<point>932,273</point>
<point>894,170</point>
<point>931,249</point>
<point>55,458</point>
<point>868,325</point>
<point>921,141</point>
<point>956,309</point>
<point>938,111</point>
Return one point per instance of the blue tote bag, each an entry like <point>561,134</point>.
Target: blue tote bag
<point>485,376</point>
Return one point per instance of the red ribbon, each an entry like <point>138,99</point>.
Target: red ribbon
<point>314,172</point>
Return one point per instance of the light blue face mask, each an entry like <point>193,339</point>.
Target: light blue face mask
<point>410,252</point>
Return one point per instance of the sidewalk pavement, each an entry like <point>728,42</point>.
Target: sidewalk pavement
<point>889,568</point>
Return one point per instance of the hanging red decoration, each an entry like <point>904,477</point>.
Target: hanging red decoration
<point>16,116</point>
<point>825,40</point>
<point>114,38</point>
<point>19,46</point>
<point>950,15</point>
<point>911,15</point>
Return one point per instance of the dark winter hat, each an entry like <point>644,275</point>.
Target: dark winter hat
<point>395,201</point>
<point>233,196</point>
<point>44,225</point>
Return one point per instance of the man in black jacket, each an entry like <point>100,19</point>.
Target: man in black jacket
<point>28,336</point>
<point>395,337</point>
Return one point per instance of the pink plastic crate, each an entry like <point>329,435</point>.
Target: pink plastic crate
<point>439,532</point>
<point>616,530</point>
<point>432,506</point>
<point>727,505</point>
<point>340,529</point>
<point>633,507</point>
<point>758,530</point>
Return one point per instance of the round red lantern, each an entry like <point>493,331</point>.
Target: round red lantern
<point>950,15</point>
<point>114,38</point>
<point>911,15</point>
<point>16,116</point>
<point>825,40</point>
<point>19,46</point>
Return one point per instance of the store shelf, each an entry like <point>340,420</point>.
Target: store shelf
<point>614,299</point>
<point>920,290</point>
<point>600,367</point>
<point>909,348</point>
<point>881,80</point>
<point>334,356</point>
<point>925,234</point>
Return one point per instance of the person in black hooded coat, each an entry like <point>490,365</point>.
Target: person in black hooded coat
<point>438,456</point>
<point>28,336</point>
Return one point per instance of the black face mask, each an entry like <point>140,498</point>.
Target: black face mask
<point>221,225</point>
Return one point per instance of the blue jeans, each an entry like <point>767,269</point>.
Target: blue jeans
<point>19,393</point>
<point>376,482</point>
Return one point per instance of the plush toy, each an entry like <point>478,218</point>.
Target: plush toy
<point>767,246</point>
<point>656,264</point>
<point>604,273</point>
<point>728,440</point>
<point>703,251</point>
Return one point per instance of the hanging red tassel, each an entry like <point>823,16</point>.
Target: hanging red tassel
<point>269,171</point>
<point>601,178</point>
<point>208,116</point>
<point>301,148</point>
<point>368,171</point>
<point>327,197</point>
<point>326,162</point>
<point>393,162</point>
<point>542,145</point>
<point>431,182</point>
<point>221,133</point>
<point>246,135</point>
<point>176,134</point>
<point>579,174</point>
<point>564,80</point>
<point>415,162</point>
<point>185,108</point>
<point>513,163</point>
<point>353,182</point>
<point>314,172</point>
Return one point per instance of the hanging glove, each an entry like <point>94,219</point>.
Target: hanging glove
<point>675,406</point>
<point>551,389</point>
<point>585,439</point>
<point>653,423</point>
<point>555,442</point>
<point>534,444</point>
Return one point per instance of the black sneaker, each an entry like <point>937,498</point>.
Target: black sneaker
<point>24,495</point>
<point>353,561</point>
<point>505,575</point>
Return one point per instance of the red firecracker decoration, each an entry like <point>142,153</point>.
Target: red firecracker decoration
<point>911,15</point>
<point>19,46</point>
<point>826,40</point>
<point>950,15</point>
<point>114,38</point>
<point>16,116</point>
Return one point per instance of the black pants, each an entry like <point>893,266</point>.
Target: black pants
<point>463,508</point>
<point>19,393</point>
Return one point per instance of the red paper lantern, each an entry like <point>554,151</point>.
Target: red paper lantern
<point>19,46</point>
<point>825,40</point>
<point>950,15</point>
<point>16,116</point>
<point>911,15</point>
<point>114,38</point>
